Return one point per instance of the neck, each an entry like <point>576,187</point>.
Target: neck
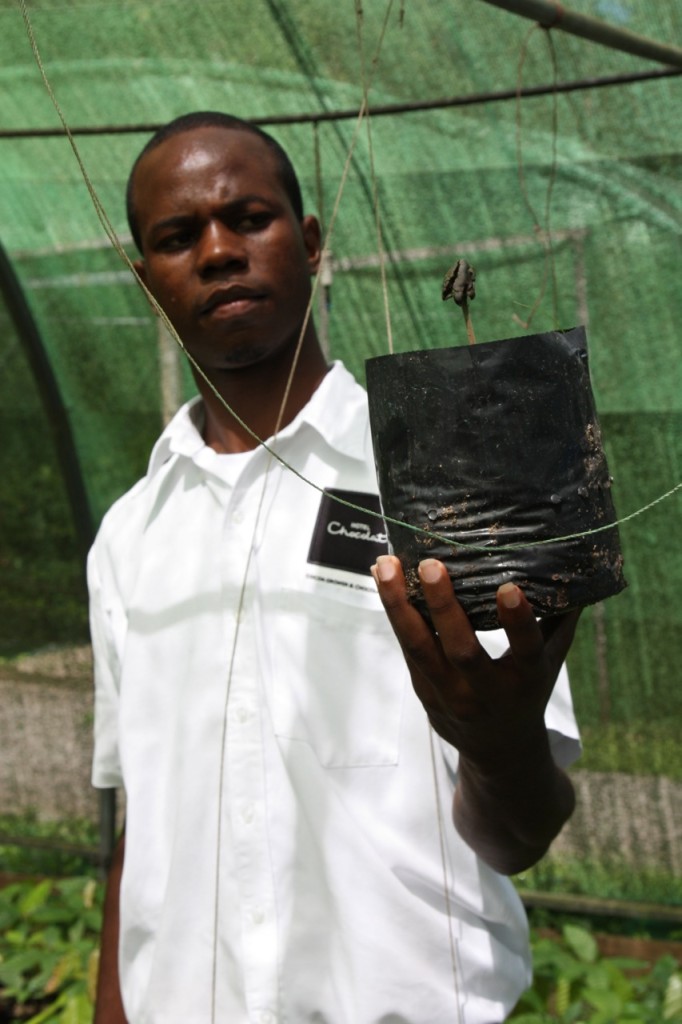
<point>257,395</point>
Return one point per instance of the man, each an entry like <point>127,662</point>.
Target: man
<point>318,826</point>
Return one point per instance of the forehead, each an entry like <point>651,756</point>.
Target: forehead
<point>206,159</point>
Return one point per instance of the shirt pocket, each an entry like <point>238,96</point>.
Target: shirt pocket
<point>336,676</point>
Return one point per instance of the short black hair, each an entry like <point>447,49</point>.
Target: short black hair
<point>214,119</point>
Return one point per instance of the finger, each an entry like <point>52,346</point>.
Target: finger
<point>558,632</point>
<point>560,628</point>
<point>537,647</point>
<point>440,688</point>
<point>457,636</point>
<point>416,639</point>
<point>429,669</point>
<point>518,621</point>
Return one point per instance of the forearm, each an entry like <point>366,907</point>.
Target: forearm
<point>108,1005</point>
<point>510,808</point>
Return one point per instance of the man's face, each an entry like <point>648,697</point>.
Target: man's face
<point>223,251</point>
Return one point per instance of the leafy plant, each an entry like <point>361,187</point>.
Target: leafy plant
<point>573,984</point>
<point>605,877</point>
<point>49,937</point>
<point>47,848</point>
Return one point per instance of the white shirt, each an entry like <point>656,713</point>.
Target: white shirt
<point>290,854</point>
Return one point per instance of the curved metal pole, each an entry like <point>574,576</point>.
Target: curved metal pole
<point>379,110</point>
<point>57,416</point>
<point>552,14</point>
<point>67,456</point>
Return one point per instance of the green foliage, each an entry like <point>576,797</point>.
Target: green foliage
<point>43,597</point>
<point>632,927</point>
<point>49,937</point>
<point>607,878</point>
<point>42,601</point>
<point>573,984</point>
<point>638,746</point>
<point>47,848</point>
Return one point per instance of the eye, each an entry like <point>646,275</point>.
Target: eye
<point>175,241</point>
<point>255,220</point>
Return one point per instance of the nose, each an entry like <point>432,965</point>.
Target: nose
<point>220,248</point>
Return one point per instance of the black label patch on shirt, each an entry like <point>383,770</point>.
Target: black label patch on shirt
<point>345,538</point>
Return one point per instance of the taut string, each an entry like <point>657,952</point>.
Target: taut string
<point>117,245</point>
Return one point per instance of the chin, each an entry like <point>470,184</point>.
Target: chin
<point>246,357</point>
<point>249,355</point>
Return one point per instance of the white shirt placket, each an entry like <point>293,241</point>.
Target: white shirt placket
<point>244,792</point>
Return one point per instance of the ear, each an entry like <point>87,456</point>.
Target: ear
<point>312,239</point>
<point>141,271</point>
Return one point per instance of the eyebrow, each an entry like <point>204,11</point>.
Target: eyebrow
<point>232,205</point>
<point>170,222</point>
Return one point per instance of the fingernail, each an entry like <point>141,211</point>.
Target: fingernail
<point>384,569</point>
<point>510,595</point>
<point>429,570</point>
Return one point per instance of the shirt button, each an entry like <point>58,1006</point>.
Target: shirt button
<point>238,516</point>
<point>247,814</point>
<point>258,916</point>
<point>242,715</point>
<point>267,1018</point>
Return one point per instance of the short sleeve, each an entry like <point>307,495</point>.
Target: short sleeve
<point>106,765</point>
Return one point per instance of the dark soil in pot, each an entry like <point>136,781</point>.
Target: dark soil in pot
<point>494,445</point>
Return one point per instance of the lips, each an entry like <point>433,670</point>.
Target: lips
<point>236,296</point>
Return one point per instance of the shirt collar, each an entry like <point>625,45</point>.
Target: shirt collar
<point>336,410</point>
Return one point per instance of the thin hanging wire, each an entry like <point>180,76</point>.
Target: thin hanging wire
<point>332,222</point>
<point>444,865</point>
<point>375,185</point>
<point>117,245</point>
<point>113,238</point>
<point>325,270</point>
<point>542,231</point>
<point>389,336</point>
<point>243,588</point>
<point>223,748</point>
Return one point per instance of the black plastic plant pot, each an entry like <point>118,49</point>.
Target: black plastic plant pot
<point>493,450</point>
